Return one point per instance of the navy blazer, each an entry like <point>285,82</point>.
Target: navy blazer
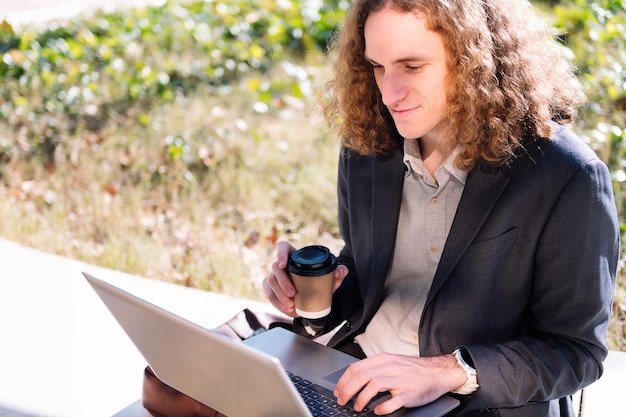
<point>526,278</point>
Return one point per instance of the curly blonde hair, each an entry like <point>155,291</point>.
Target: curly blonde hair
<point>507,78</point>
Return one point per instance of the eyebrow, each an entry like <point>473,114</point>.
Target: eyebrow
<point>403,60</point>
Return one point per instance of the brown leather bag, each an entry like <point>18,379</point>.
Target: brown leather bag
<point>161,400</point>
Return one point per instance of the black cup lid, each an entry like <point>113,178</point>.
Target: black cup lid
<point>312,261</point>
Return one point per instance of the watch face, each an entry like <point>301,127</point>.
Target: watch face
<point>466,357</point>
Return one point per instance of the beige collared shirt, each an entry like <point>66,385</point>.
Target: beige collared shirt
<point>428,208</point>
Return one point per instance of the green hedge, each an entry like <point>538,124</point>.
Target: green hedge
<point>93,71</point>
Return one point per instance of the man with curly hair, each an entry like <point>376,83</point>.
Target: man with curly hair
<point>481,234</point>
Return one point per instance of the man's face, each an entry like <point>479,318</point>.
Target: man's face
<point>409,65</point>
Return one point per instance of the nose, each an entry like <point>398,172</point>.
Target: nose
<point>392,88</point>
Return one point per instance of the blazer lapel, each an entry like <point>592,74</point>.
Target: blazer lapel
<point>482,190</point>
<point>388,174</point>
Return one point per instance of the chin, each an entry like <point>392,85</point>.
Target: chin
<point>409,135</point>
<point>409,132</point>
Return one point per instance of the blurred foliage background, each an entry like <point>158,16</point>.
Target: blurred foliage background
<point>180,141</point>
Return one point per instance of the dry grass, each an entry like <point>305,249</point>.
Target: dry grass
<point>208,218</point>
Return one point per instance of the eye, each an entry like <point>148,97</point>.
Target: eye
<point>373,65</point>
<point>377,70</point>
<point>414,68</point>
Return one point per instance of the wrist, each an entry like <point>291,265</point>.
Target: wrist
<point>471,383</point>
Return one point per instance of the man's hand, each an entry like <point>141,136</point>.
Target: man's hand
<point>279,289</point>
<point>411,381</point>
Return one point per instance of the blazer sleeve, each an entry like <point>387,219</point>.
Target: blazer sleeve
<point>570,305</point>
<point>347,303</point>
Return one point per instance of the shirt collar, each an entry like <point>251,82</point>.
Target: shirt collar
<point>414,163</point>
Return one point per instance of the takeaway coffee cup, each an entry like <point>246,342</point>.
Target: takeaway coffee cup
<point>312,271</point>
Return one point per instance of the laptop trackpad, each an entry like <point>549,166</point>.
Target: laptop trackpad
<point>334,376</point>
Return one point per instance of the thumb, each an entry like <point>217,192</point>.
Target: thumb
<point>340,273</point>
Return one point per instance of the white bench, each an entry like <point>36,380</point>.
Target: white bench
<point>62,354</point>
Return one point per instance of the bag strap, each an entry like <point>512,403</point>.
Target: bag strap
<point>246,324</point>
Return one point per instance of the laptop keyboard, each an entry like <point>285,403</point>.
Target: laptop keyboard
<point>321,401</point>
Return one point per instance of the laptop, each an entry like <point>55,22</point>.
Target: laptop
<point>255,378</point>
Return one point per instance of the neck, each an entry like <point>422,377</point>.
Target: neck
<point>434,153</point>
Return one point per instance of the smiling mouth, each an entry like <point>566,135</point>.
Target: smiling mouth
<point>402,112</point>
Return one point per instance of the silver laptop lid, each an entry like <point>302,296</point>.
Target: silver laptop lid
<point>233,378</point>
